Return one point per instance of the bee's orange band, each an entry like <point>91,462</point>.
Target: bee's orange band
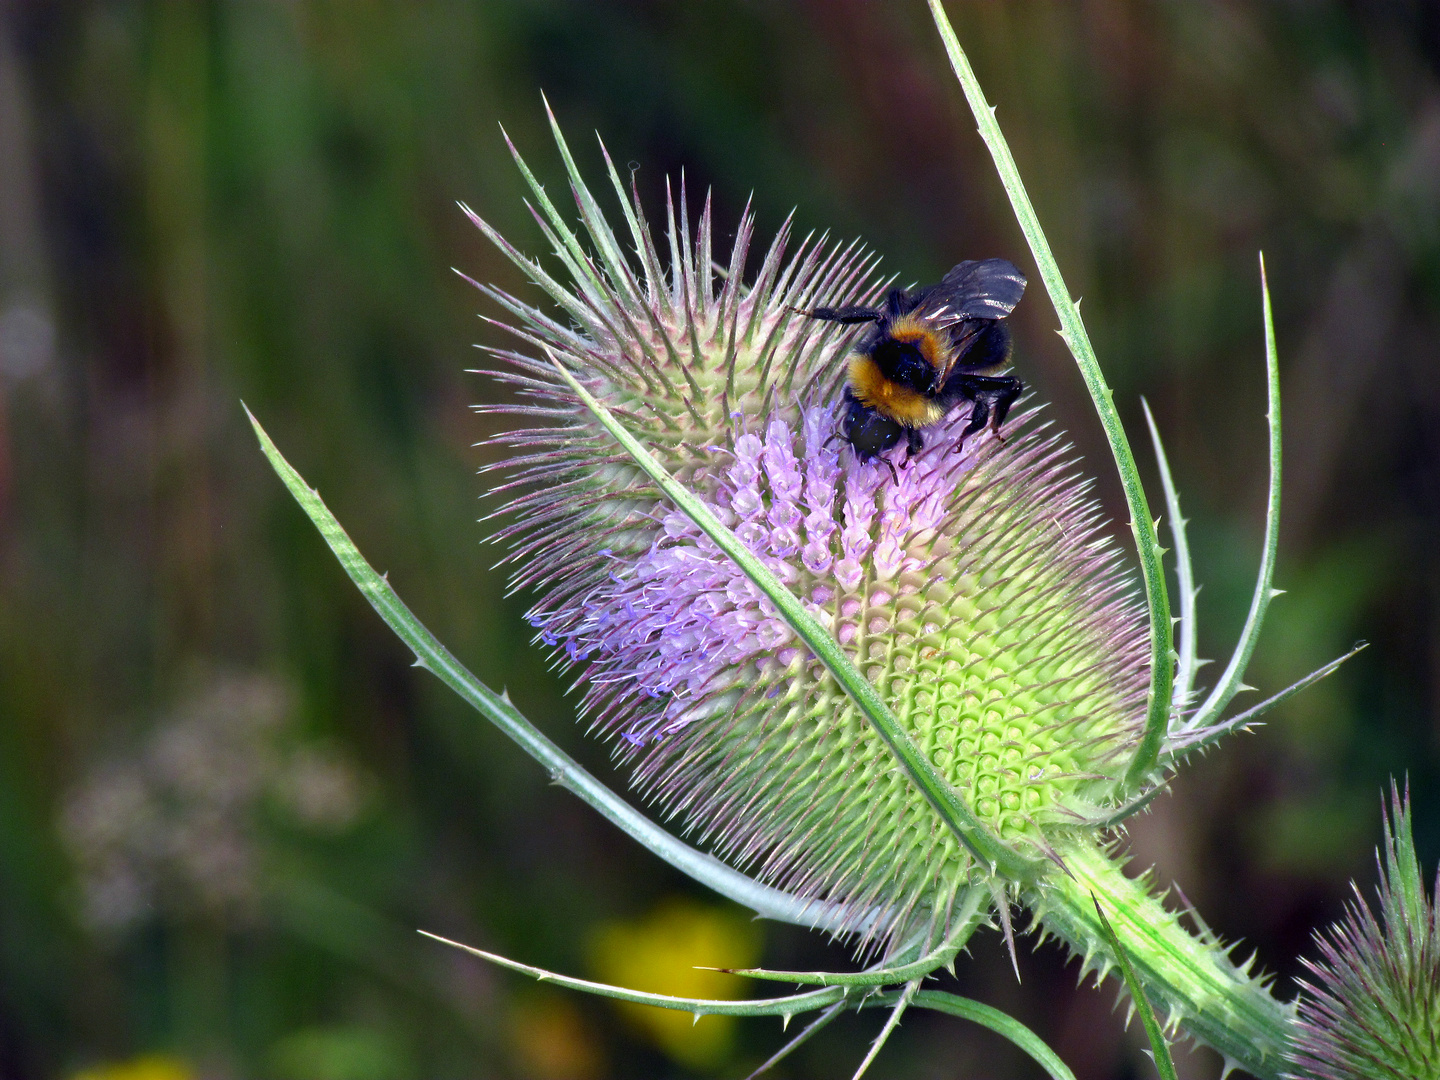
<point>889,399</point>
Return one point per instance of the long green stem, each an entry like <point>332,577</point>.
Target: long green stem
<point>1072,329</point>
<point>1191,977</point>
<point>798,1004</point>
<point>1001,1023</point>
<point>787,1006</point>
<point>563,769</point>
<point>945,800</point>
<point>1187,741</point>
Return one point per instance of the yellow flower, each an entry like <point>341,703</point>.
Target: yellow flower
<point>660,953</point>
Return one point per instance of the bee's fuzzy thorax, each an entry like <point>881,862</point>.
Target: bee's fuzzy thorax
<point>932,346</point>
<point>889,398</point>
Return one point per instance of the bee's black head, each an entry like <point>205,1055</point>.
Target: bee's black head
<point>904,363</point>
<point>867,431</point>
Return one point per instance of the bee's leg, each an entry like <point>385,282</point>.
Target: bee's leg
<point>1004,397</point>
<point>993,396</point>
<point>845,315</point>
<point>979,418</point>
<point>895,476</point>
<point>914,443</point>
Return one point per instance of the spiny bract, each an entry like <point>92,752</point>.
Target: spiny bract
<point>975,590</point>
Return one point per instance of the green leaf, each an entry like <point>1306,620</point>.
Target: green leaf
<point>1184,573</point>
<point>1190,740</point>
<point>797,1004</point>
<point>564,771</point>
<point>942,797</point>
<point>1161,1049</point>
<point>965,924</point>
<point>1072,329</point>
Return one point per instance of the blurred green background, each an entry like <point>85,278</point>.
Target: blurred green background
<point>226,800</point>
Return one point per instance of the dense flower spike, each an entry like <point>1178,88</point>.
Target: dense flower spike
<point>1372,1011</point>
<point>974,589</point>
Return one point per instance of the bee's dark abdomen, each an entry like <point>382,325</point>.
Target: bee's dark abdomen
<point>868,432</point>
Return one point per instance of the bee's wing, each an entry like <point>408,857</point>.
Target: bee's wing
<point>988,289</point>
<point>972,296</point>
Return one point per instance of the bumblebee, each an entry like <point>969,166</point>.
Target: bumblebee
<point>927,351</point>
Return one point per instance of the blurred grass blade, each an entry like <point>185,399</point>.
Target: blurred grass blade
<point>1231,682</point>
<point>790,1005</point>
<point>564,770</point>
<point>1201,737</point>
<point>1072,329</point>
<point>1158,1046</point>
<point>942,797</point>
<point>998,1022</point>
<point>1184,574</point>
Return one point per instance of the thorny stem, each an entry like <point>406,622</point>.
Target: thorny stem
<point>1232,681</point>
<point>1186,663</point>
<point>827,1001</point>
<point>1189,976</point>
<point>965,925</point>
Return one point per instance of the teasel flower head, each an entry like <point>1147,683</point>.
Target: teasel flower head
<point>1371,1010</point>
<point>975,587</point>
